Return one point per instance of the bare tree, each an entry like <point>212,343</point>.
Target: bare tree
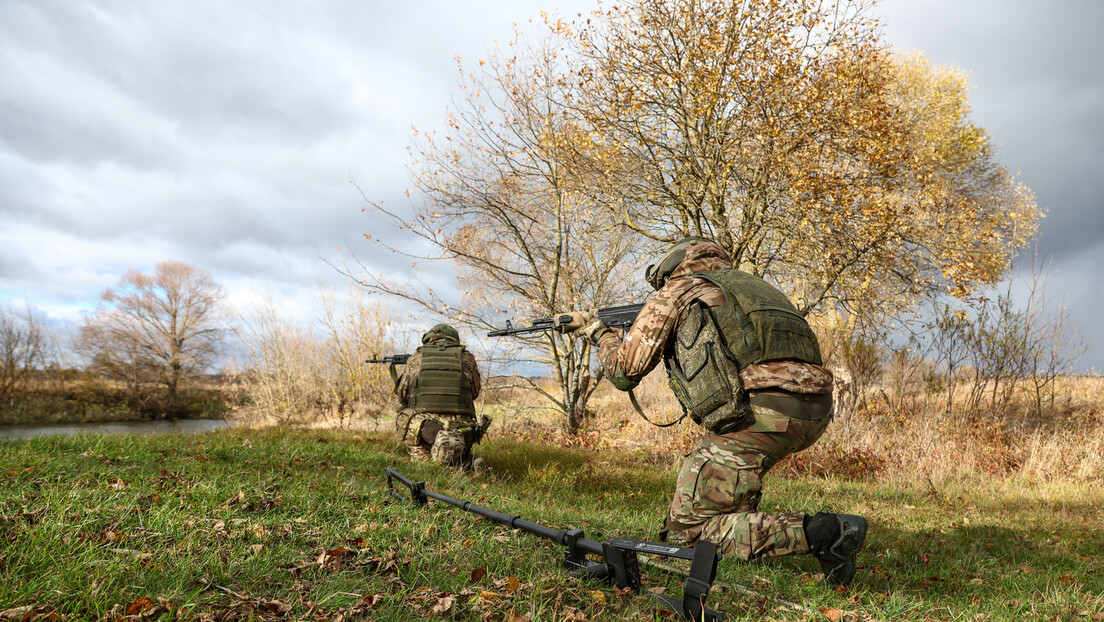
<point>505,198</point>
<point>283,364</point>
<point>23,345</point>
<point>161,328</point>
<point>356,332</point>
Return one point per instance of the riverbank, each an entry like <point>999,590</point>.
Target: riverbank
<point>77,403</point>
<point>298,525</point>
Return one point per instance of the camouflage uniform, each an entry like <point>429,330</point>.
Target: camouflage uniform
<point>719,487</point>
<point>432,435</point>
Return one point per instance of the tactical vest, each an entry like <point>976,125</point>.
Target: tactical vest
<point>441,386</point>
<point>756,324</point>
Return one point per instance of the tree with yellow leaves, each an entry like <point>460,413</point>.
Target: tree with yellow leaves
<point>785,130</point>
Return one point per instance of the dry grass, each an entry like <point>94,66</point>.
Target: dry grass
<point>905,437</point>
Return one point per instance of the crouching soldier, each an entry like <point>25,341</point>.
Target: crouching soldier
<point>436,393</point>
<point>746,366</point>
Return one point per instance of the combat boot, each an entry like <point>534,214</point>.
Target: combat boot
<point>479,466</point>
<point>835,540</point>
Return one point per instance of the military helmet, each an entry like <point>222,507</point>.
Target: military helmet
<point>441,331</point>
<point>658,273</point>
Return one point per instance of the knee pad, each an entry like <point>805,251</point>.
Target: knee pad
<point>448,448</point>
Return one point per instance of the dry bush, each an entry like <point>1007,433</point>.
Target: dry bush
<point>905,432</point>
<point>926,439</point>
<point>307,376</point>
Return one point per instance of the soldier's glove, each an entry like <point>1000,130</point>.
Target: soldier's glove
<point>594,331</point>
<point>578,320</point>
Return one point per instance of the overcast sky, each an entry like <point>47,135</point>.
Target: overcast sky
<point>225,134</point>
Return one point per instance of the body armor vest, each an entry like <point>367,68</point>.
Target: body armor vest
<point>441,386</point>
<point>756,324</point>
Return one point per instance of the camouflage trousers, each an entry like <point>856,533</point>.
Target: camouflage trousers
<point>433,436</point>
<point>720,485</point>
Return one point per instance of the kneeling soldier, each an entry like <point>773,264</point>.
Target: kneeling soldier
<point>437,392</point>
<point>746,366</point>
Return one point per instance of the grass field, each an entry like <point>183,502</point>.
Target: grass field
<point>297,525</point>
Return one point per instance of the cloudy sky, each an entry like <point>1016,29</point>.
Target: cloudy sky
<point>225,134</point>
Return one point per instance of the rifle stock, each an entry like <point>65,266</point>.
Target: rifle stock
<point>619,567</point>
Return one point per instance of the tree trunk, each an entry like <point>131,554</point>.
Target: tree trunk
<point>577,404</point>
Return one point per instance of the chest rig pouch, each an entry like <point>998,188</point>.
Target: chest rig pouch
<point>756,324</point>
<point>703,374</point>
<point>441,386</point>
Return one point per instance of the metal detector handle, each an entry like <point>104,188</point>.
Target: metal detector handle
<point>417,490</point>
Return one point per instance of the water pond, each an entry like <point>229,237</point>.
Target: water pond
<point>179,426</point>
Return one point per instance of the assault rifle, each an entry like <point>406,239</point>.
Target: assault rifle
<point>473,433</point>
<point>614,317</point>
<point>619,565</point>
<point>394,359</point>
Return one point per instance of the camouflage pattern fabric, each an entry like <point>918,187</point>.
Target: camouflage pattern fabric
<point>627,360</point>
<point>448,446</point>
<point>719,487</point>
<point>408,423</point>
<point>441,331</point>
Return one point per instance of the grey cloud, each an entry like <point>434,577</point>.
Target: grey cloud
<point>1039,90</point>
<point>129,83</point>
<point>225,134</point>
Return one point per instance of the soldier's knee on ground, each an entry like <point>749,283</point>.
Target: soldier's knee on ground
<point>448,448</point>
<point>430,430</point>
<point>681,538</point>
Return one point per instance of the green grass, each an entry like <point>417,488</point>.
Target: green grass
<point>298,525</point>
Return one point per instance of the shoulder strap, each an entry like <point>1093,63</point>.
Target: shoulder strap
<point>636,405</point>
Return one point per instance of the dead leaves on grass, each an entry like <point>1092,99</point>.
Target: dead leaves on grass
<point>491,603</point>
<point>30,613</point>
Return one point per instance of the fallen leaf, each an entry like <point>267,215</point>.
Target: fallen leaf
<point>477,574</point>
<point>370,600</point>
<point>512,584</point>
<point>138,606</point>
<point>15,613</point>
<point>444,604</point>
<point>832,613</point>
<point>599,597</point>
<point>274,606</point>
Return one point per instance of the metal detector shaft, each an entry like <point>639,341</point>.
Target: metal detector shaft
<point>559,536</point>
<point>620,565</point>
